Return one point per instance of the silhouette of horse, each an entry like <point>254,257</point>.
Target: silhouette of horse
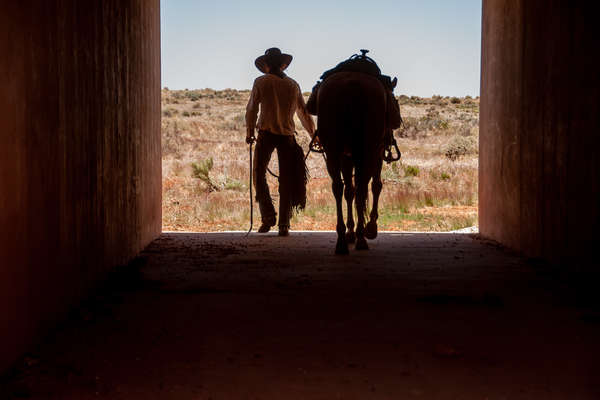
<point>356,112</point>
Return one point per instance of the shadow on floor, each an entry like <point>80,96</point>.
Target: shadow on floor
<point>220,316</point>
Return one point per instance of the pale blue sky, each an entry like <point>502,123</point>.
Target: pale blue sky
<point>432,46</point>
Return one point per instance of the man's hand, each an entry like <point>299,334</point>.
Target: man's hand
<point>250,139</point>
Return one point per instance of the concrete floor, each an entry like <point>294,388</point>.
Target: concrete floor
<point>424,316</point>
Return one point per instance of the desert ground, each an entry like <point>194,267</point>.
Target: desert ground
<point>206,165</point>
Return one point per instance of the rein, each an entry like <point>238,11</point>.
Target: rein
<point>312,147</point>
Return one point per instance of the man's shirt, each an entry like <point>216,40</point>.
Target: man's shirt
<point>279,99</point>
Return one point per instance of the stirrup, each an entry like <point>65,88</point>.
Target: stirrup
<point>388,155</point>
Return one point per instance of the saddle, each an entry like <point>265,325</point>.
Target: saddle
<point>360,63</point>
<point>366,65</point>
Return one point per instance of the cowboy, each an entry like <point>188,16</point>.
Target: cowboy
<point>279,97</point>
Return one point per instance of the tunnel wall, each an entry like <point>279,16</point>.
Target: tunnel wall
<point>539,132</point>
<point>80,169</point>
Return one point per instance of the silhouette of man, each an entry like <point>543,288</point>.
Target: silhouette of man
<point>279,97</point>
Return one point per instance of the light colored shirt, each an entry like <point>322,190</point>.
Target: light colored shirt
<point>279,99</point>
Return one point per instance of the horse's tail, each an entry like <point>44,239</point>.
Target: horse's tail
<point>356,137</point>
<point>355,129</point>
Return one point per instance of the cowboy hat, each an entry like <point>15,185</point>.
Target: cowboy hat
<point>273,56</point>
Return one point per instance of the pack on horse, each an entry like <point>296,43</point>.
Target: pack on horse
<point>357,112</point>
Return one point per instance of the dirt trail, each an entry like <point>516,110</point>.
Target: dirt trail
<point>217,316</point>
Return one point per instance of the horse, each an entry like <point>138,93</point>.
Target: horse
<point>356,114</point>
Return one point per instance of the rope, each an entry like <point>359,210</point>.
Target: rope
<point>311,148</point>
<point>251,202</point>
<point>272,173</point>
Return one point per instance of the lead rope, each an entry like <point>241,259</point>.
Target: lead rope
<point>251,202</point>
<point>311,148</point>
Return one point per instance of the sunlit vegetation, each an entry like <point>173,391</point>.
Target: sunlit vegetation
<point>205,166</point>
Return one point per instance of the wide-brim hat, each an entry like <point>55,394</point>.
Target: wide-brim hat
<point>273,56</point>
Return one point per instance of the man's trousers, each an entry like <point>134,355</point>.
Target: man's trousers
<point>266,143</point>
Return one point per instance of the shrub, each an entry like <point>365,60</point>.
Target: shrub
<point>437,99</point>
<point>455,100</point>
<point>170,112</point>
<point>403,99</point>
<point>444,176</point>
<point>185,114</point>
<point>418,127</point>
<point>233,184</point>
<point>411,170</point>
<point>458,147</point>
<point>433,120</point>
<point>391,172</point>
<point>202,171</point>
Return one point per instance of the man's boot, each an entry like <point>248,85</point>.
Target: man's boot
<point>266,226</point>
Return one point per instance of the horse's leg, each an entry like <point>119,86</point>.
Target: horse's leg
<point>349,196</point>
<point>337,186</point>
<point>362,186</point>
<point>376,186</point>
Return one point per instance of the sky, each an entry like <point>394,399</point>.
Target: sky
<point>432,46</point>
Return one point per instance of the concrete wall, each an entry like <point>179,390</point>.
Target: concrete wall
<point>540,127</point>
<point>80,172</point>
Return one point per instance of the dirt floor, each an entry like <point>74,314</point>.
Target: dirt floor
<point>424,316</point>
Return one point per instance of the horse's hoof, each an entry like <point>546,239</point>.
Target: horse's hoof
<point>371,230</point>
<point>350,237</point>
<point>361,244</point>
<point>341,248</point>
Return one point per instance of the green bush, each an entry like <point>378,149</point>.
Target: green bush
<point>233,184</point>
<point>411,170</point>
<point>202,171</point>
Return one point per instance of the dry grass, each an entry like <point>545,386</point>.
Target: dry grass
<point>433,188</point>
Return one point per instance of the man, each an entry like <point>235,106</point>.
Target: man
<point>279,97</point>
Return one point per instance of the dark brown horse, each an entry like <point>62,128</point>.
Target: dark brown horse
<point>355,113</point>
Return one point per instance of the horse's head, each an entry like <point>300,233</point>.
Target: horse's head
<point>311,104</point>
<point>393,110</point>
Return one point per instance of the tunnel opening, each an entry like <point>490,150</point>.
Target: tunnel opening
<point>434,187</point>
<point>80,191</point>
